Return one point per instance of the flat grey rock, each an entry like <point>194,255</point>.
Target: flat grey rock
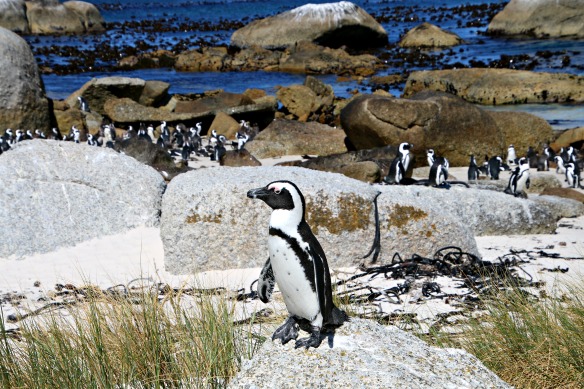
<point>56,194</point>
<point>364,354</point>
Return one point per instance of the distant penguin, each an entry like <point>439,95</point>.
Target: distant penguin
<point>219,149</point>
<point>430,157</point>
<point>519,179</point>
<point>511,155</point>
<point>495,167</point>
<point>560,168</point>
<point>19,136</point>
<point>83,105</point>
<point>4,146</point>
<point>91,141</point>
<point>396,172</point>
<point>149,132</point>
<point>8,136</point>
<point>298,264</point>
<point>404,151</point>
<point>241,140</point>
<point>573,175</point>
<point>439,172</point>
<point>473,169</point>
<point>40,134</point>
<point>56,134</point>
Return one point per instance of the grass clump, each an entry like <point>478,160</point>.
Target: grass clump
<point>138,342</point>
<point>529,343</point>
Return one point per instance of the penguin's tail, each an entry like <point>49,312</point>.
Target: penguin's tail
<point>337,317</point>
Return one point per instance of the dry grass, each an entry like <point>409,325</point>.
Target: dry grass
<point>110,342</point>
<point>529,344</point>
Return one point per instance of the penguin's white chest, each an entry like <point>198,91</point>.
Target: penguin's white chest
<point>300,298</point>
<point>522,181</point>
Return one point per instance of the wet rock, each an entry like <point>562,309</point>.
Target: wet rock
<point>445,123</point>
<point>287,137</point>
<point>210,59</point>
<point>307,57</point>
<point>155,59</point>
<point>332,24</point>
<point>542,19</point>
<point>73,192</point>
<point>13,16</point>
<point>523,130</point>
<point>254,58</point>
<point>429,35</point>
<point>499,86</point>
<point>381,357</point>
<point>23,103</point>
<point>212,101</point>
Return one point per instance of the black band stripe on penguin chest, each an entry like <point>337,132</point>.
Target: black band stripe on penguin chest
<point>305,261</point>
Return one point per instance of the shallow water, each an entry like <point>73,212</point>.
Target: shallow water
<point>211,21</point>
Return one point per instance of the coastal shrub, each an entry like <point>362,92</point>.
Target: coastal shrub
<point>529,342</point>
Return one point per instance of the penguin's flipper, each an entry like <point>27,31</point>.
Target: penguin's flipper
<point>527,183</point>
<point>266,282</point>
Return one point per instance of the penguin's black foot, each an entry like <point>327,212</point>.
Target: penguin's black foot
<point>287,331</point>
<point>314,340</point>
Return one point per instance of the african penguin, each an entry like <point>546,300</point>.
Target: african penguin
<point>495,167</point>
<point>396,172</point>
<point>439,171</point>
<point>430,157</point>
<point>83,105</point>
<point>560,168</point>
<point>404,151</point>
<point>573,175</point>
<point>511,155</point>
<point>298,265</point>
<point>519,179</point>
<point>473,169</point>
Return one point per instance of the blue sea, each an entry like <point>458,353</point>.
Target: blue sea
<point>141,25</point>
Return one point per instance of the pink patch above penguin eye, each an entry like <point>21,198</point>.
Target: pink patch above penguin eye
<point>275,189</point>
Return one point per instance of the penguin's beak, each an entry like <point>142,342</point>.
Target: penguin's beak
<point>258,193</point>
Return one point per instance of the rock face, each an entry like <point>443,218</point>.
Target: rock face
<point>499,86</point>
<point>287,137</point>
<point>332,24</point>
<point>573,137</point>
<point>523,130</point>
<point>208,222</point>
<point>23,103</point>
<point>539,18</point>
<point>364,354</point>
<point>429,35</point>
<point>445,123</point>
<point>13,16</point>
<point>52,17</point>
<point>62,193</point>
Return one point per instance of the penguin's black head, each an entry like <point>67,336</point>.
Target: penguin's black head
<point>279,195</point>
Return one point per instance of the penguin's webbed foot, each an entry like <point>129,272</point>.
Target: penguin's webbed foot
<point>314,340</point>
<point>287,331</point>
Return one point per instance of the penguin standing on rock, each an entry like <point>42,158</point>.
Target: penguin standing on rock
<point>519,179</point>
<point>573,175</point>
<point>511,155</point>
<point>298,265</point>
<point>473,169</point>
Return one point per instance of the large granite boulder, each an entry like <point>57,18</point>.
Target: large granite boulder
<point>209,223</point>
<point>572,137</point>
<point>288,137</point>
<point>23,103</point>
<point>429,35</point>
<point>365,354</point>
<point>542,19</point>
<point>448,124</point>
<point>52,17</point>
<point>523,130</point>
<point>331,24</point>
<point>13,16</point>
<point>56,194</point>
<point>98,91</point>
<point>499,86</point>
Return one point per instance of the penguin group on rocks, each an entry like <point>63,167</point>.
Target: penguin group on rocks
<point>298,265</point>
<point>182,143</point>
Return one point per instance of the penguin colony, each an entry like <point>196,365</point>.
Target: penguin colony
<point>565,161</point>
<point>182,143</point>
<point>297,263</point>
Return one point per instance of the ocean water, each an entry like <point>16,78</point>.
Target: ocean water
<point>186,24</point>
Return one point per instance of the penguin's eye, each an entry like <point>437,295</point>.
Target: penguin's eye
<point>277,191</point>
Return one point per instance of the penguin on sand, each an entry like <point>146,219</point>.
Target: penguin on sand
<point>473,169</point>
<point>298,265</point>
